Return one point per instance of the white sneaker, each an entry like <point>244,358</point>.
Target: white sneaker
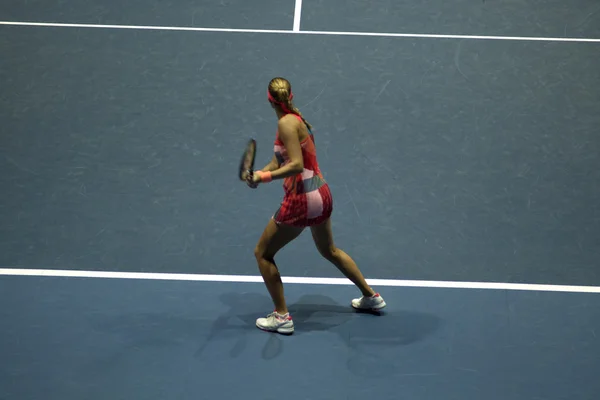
<point>276,322</point>
<point>374,302</point>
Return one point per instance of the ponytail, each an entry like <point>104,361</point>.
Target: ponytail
<point>294,110</point>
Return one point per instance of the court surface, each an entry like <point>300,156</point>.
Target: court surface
<point>460,143</point>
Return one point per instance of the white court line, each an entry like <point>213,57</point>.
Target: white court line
<point>297,14</point>
<point>330,33</point>
<point>296,280</point>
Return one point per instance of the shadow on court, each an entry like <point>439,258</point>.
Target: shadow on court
<point>313,315</point>
<point>321,314</point>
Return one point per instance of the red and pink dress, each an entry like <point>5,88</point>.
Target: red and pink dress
<point>307,199</point>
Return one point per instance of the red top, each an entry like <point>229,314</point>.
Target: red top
<point>310,178</point>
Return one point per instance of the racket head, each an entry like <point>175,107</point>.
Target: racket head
<point>247,162</point>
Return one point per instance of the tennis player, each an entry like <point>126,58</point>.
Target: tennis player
<point>307,202</point>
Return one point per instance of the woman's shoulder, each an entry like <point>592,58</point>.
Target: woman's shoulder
<point>290,119</point>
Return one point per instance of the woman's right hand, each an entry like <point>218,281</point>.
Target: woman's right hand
<point>251,181</point>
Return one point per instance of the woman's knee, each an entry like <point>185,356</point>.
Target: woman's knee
<point>328,252</point>
<point>259,251</point>
<point>262,252</point>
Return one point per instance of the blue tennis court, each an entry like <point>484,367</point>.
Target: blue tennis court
<point>460,144</point>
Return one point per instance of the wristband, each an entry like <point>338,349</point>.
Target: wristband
<point>265,176</point>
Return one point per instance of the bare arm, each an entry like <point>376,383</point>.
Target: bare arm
<point>288,133</point>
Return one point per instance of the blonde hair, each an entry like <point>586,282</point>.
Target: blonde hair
<point>280,89</point>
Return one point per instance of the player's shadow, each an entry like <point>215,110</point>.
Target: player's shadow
<point>369,337</point>
<point>233,323</point>
<point>366,334</point>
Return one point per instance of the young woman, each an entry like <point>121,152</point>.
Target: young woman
<point>307,202</point>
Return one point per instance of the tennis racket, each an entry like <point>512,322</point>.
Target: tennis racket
<point>247,163</point>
